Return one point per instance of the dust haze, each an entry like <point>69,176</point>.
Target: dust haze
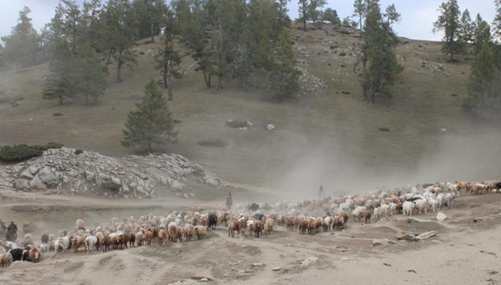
<point>447,156</point>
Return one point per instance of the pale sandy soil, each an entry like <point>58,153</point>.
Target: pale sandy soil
<point>464,252</point>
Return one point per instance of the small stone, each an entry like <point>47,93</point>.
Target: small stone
<point>441,217</point>
<point>276,268</point>
<point>309,261</point>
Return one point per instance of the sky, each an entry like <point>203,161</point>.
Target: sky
<point>417,15</point>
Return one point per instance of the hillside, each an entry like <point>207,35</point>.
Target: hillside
<point>332,138</point>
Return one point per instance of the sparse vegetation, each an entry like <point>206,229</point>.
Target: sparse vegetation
<point>22,152</point>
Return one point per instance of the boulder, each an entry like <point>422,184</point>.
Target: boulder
<point>37,184</point>
<point>26,174</point>
<point>47,177</point>
<point>21,184</point>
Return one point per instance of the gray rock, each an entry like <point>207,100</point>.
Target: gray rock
<point>47,177</point>
<point>131,176</point>
<point>26,174</point>
<point>21,184</point>
<point>309,261</point>
<point>37,184</point>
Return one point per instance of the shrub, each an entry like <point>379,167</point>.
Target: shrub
<point>22,152</point>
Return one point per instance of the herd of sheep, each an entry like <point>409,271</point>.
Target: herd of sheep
<point>257,220</point>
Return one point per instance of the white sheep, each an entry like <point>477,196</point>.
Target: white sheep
<point>408,208</point>
<point>421,206</point>
<point>62,244</point>
<point>90,243</point>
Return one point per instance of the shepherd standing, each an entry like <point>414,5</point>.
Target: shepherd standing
<point>229,201</point>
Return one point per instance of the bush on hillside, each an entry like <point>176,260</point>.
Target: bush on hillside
<point>22,152</point>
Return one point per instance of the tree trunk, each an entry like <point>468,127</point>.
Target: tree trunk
<point>164,74</point>
<point>219,82</point>
<point>152,32</point>
<point>304,22</point>
<point>170,93</point>
<point>119,68</point>
<point>207,79</point>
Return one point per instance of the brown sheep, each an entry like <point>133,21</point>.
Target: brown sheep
<point>233,227</point>
<point>148,236</point>
<point>200,232</point>
<point>163,236</point>
<point>5,259</point>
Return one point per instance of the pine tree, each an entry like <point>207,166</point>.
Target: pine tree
<point>482,86</point>
<point>151,123</point>
<point>379,61</point>
<point>22,46</point>
<point>283,10</point>
<point>75,67</point>
<point>497,20</point>
<point>2,58</point>
<point>148,17</point>
<point>481,34</point>
<point>360,11</point>
<point>119,34</point>
<point>303,12</point>
<point>168,59</point>
<point>314,12</point>
<point>331,16</point>
<point>466,29</point>
<point>392,15</point>
<point>448,21</point>
<point>284,75</point>
<point>310,10</point>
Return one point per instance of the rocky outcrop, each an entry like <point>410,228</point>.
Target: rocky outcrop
<point>66,170</point>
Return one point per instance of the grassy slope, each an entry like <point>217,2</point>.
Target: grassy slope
<point>332,139</point>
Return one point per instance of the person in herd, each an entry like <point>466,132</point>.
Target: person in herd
<point>321,192</point>
<point>11,232</point>
<point>229,201</point>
